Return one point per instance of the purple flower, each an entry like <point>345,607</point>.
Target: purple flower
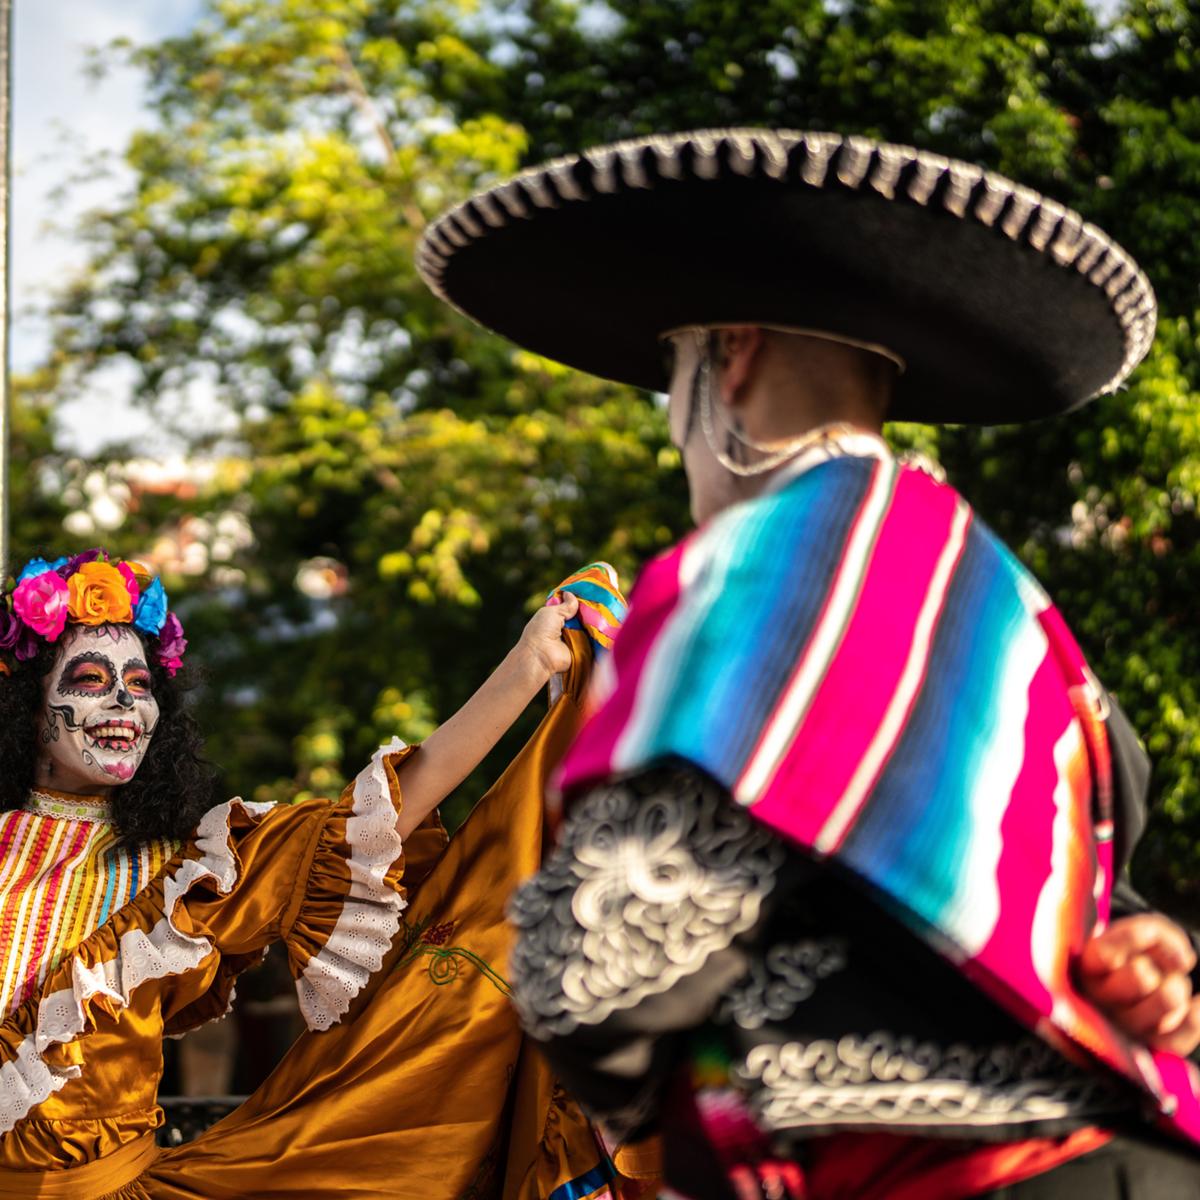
<point>17,637</point>
<point>171,642</point>
<point>73,564</point>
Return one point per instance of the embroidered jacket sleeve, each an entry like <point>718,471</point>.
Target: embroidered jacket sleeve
<point>667,914</point>
<point>81,1061</point>
<point>632,932</point>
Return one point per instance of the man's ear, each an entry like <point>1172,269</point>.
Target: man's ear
<point>738,350</point>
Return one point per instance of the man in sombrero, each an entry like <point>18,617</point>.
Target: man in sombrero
<point>831,908</point>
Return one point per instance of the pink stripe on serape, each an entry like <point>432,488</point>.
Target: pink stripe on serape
<point>1085,695</point>
<point>1046,876</point>
<point>853,698</point>
<point>1026,833</point>
<point>1180,1081</point>
<point>814,658</point>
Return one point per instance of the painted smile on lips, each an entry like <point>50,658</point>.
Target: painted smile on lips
<point>116,735</point>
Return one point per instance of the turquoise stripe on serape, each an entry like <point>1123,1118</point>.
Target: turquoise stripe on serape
<point>732,644</point>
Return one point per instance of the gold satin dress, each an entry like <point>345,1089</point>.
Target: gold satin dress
<point>414,1079</point>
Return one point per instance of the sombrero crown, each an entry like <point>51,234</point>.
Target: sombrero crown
<point>1004,305</point>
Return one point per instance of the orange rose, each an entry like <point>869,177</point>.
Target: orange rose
<point>99,596</point>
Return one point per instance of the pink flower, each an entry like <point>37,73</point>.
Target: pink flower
<point>130,582</point>
<point>41,601</point>
<point>170,665</point>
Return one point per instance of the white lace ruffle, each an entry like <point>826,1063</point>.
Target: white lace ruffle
<point>28,1079</point>
<point>370,917</point>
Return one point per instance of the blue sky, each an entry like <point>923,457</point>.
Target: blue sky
<point>58,114</point>
<point>59,117</point>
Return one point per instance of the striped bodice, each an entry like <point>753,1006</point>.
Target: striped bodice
<point>62,873</point>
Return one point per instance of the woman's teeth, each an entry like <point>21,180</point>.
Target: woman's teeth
<point>117,736</point>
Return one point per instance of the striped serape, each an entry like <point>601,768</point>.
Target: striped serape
<point>866,668</point>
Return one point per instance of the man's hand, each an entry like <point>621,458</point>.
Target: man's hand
<point>1137,971</point>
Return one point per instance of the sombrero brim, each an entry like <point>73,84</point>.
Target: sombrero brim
<point>1004,305</point>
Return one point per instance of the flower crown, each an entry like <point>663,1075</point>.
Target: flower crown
<point>88,589</point>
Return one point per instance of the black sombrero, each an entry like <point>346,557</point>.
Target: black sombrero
<point>1003,304</point>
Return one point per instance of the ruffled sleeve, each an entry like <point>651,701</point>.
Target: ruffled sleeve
<point>350,907</point>
<point>329,880</point>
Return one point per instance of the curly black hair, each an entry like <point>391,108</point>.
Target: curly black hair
<point>174,786</point>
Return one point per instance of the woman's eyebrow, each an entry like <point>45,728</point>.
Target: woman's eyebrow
<point>134,664</point>
<point>91,658</point>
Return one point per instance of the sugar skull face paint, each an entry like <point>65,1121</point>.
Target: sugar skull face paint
<point>99,711</point>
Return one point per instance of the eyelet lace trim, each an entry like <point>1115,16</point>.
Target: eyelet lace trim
<point>652,876</point>
<point>370,917</point>
<point>29,1079</point>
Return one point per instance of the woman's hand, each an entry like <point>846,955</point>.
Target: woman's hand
<point>454,749</point>
<point>541,644</point>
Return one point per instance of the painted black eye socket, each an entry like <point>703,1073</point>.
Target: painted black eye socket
<point>137,677</point>
<point>88,674</point>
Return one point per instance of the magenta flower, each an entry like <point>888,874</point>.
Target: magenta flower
<point>130,582</point>
<point>41,602</point>
<point>171,643</point>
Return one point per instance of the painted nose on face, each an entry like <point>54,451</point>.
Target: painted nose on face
<point>124,699</point>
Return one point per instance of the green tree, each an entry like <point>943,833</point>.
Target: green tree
<point>266,249</point>
<point>37,472</point>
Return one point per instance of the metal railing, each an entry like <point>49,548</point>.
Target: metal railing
<point>189,1116</point>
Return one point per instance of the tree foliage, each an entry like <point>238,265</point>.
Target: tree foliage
<point>443,480</point>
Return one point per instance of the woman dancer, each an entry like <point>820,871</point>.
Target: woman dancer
<point>128,906</point>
